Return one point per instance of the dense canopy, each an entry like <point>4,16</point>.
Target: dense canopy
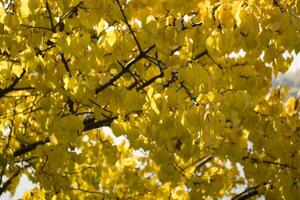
<point>140,99</point>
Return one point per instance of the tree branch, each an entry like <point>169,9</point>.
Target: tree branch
<point>50,16</point>
<point>200,162</point>
<point>25,149</point>
<point>124,70</point>
<point>246,194</point>
<point>37,27</point>
<point>151,80</point>
<point>8,182</point>
<point>200,55</point>
<point>90,125</point>
<point>69,13</point>
<point>213,60</point>
<point>189,93</point>
<point>88,191</point>
<point>129,27</point>
<point>269,162</point>
<point>65,62</point>
<point>11,87</point>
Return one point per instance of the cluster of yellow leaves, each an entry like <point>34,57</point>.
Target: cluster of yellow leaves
<point>186,118</point>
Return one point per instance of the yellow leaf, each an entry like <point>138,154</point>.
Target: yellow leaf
<point>152,101</point>
<point>100,26</point>
<point>53,139</point>
<point>290,106</point>
<point>17,70</point>
<point>150,18</point>
<point>24,8</point>
<point>33,4</point>
<point>111,37</point>
<point>2,14</point>
<point>210,41</point>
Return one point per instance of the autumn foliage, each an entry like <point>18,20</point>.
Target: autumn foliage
<point>140,99</point>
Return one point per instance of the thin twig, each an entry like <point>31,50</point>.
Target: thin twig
<point>269,162</point>
<point>124,70</point>
<point>25,149</point>
<point>88,191</point>
<point>70,12</point>
<point>11,87</point>
<point>90,125</point>
<point>37,27</point>
<point>50,17</point>
<point>189,93</point>
<point>198,163</point>
<point>246,194</point>
<point>66,65</point>
<point>150,81</point>
<point>129,27</point>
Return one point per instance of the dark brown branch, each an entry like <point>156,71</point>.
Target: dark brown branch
<point>25,149</point>
<point>24,88</point>
<point>150,81</point>
<point>198,163</point>
<point>277,4</point>
<point>50,17</point>
<point>183,27</point>
<point>207,54</point>
<point>270,162</point>
<point>88,191</point>
<point>11,87</point>
<point>37,27</point>
<point>90,125</point>
<point>6,6</point>
<point>65,62</point>
<point>137,81</point>
<point>179,169</point>
<point>156,61</point>
<point>70,104</point>
<point>189,93</point>
<point>135,76</point>
<point>124,70</point>
<point>200,55</point>
<point>246,194</point>
<point>195,24</point>
<point>26,159</point>
<point>8,182</point>
<point>213,60</point>
<point>175,50</point>
<point>174,78</point>
<point>3,168</point>
<point>26,111</point>
<point>12,127</point>
<point>69,13</point>
<point>129,27</point>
